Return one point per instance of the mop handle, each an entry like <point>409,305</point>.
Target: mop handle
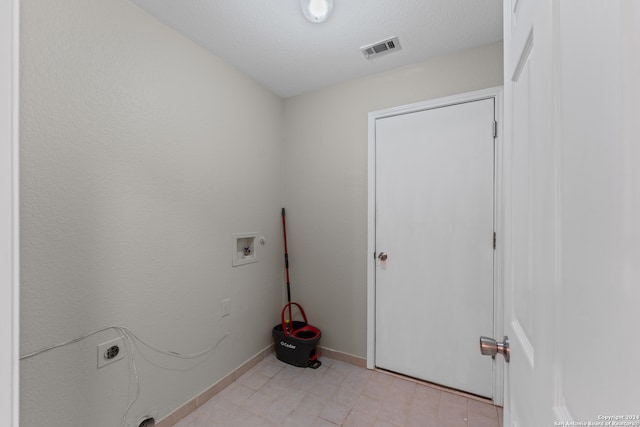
<point>286,256</point>
<point>286,262</point>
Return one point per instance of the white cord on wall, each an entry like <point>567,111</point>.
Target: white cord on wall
<point>127,334</point>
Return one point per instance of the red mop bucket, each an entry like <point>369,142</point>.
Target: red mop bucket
<point>296,341</point>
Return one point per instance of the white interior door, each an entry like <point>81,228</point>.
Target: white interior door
<point>434,222</point>
<point>530,218</point>
<point>572,217</point>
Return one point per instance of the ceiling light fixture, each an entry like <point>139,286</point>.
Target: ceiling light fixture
<point>316,11</point>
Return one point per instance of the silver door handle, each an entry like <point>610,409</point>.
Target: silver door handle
<point>382,256</point>
<point>489,347</point>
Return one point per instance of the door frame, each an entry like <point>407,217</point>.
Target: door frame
<point>9,214</point>
<point>495,93</point>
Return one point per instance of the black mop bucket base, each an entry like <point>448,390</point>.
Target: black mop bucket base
<point>297,351</point>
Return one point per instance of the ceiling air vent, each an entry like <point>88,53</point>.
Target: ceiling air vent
<point>385,46</point>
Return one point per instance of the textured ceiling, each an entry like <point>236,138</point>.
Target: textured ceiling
<point>271,41</point>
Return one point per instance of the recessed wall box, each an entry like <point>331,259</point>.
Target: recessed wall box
<point>245,248</point>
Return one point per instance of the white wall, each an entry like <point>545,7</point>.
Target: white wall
<point>326,182</point>
<point>141,154</point>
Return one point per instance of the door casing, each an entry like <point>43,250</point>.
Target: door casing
<point>491,93</point>
<point>9,214</point>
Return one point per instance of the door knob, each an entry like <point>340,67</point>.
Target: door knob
<point>382,256</point>
<point>489,347</point>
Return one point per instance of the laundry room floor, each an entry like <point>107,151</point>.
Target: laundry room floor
<point>274,393</point>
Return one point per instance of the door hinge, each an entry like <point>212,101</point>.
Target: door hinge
<point>495,129</point>
<point>494,240</point>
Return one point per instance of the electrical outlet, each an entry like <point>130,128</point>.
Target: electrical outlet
<point>225,307</point>
<point>110,351</point>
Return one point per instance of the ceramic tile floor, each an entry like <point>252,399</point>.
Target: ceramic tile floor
<point>274,393</point>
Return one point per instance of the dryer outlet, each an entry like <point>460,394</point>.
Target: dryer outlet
<point>110,351</point>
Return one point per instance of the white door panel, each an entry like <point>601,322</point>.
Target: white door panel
<point>572,211</point>
<point>531,214</point>
<point>600,221</point>
<point>434,219</point>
